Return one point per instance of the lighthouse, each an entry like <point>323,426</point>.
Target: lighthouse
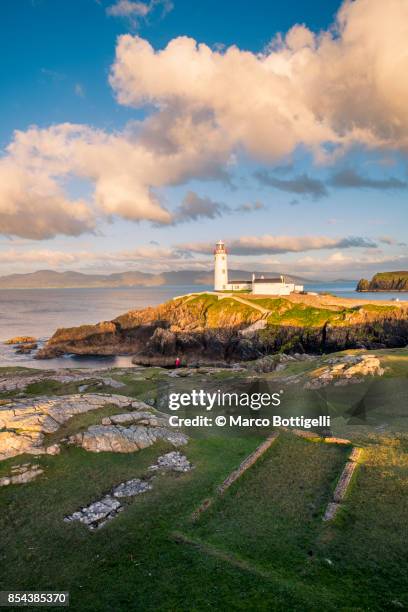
<point>220,267</point>
<point>256,286</point>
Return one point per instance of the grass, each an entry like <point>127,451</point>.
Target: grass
<point>136,384</point>
<point>215,313</point>
<point>391,275</point>
<point>131,563</point>
<point>370,539</point>
<point>285,312</point>
<point>221,313</point>
<point>380,308</point>
<point>80,422</point>
<point>272,516</point>
<point>21,370</point>
<point>262,546</point>
<point>387,281</point>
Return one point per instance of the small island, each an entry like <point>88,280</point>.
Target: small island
<point>385,281</point>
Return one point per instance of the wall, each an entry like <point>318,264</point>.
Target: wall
<point>273,288</point>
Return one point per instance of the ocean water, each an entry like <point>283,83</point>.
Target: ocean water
<point>347,289</point>
<point>39,312</point>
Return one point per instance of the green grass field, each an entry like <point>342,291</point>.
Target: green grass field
<point>271,520</point>
<point>262,546</point>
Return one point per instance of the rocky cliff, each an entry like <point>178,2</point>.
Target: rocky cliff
<point>202,328</point>
<point>385,281</point>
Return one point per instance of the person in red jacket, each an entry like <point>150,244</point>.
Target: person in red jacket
<point>178,362</point>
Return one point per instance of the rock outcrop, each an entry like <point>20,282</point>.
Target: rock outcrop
<point>98,513</point>
<point>173,461</point>
<point>20,474</point>
<point>203,329</point>
<point>26,349</point>
<point>24,424</point>
<point>21,340</point>
<point>121,439</point>
<point>344,370</point>
<point>21,380</point>
<point>385,281</point>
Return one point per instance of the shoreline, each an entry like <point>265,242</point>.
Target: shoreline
<point>109,355</point>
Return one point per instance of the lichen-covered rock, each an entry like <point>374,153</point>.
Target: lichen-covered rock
<point>139,417</point>
<point>120,439</point>
<point>96,514</point>
<point>26,421</point>
<point>130,488</point>
<point>18,443</point>
<point>21,380</point>
<point>345,369</point>
<point>21,474</point>
<point>54,449</point>
<point>174,461</point>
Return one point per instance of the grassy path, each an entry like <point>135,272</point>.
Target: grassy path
<point>250,303</point>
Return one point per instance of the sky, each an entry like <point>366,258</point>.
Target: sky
<point>135,134</point>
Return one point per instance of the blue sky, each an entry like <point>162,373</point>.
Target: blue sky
<point>330,203</point>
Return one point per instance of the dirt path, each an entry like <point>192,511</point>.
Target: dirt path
<point>250,303</point>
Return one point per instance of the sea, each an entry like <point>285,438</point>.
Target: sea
<point>39,312</point>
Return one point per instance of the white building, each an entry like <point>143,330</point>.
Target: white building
<point>274,286</point>
<point>257,286</point>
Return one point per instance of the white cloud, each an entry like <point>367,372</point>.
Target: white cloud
<point>40,256</point>
<point>125,169</point>
<point>154,259</point>
<point>342,86</point>
<point>135,10</point>
<point>351,264</point>
<point>144,258</point>
<point>127,8</point>
<point>268,244</point>
<point>32,205</point>
<point>338,87</point>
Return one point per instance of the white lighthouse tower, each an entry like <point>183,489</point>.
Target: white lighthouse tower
<point>220,267</point>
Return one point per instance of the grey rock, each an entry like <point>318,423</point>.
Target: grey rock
<point>172,461</point>
<point>130,488</point>
<point>54,449</point>
<point>140,417</point>
<point>97,513</point>
<point>26,421</point>
<point>344,370</point>
<point>20,474</point>
<point>120,439</point>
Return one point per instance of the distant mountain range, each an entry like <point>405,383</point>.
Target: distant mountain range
<point>47,279</point>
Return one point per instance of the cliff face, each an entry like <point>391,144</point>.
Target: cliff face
<point>385,281</point>
<point>205,329</point>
